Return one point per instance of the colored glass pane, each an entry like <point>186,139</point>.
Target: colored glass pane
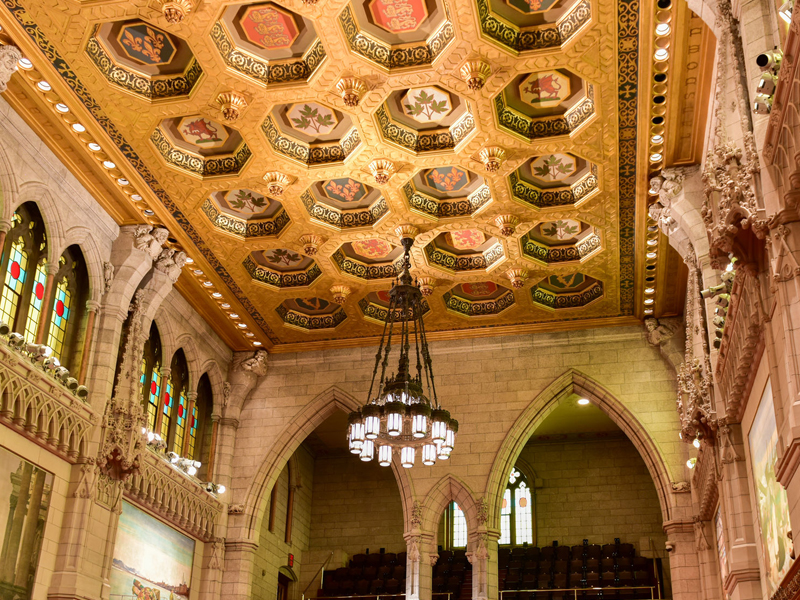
<point>169,402</point>
<point>459,526</point>
<point>16,272</point>
<point>60,318</point>
<point>192,432</point>
<point>152,399</point>
<point>505,519</point>
<point>180,424</point>
<point>35,307</point>
<point>522,507</point>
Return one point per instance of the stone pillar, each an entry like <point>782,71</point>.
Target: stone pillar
<point>742,582</point>
<point>419,567</point>
<point>12,549</point>
<point>29,533</point>
<point>191,399</point>
<point>707,559</point>
<point>483,557</point>
<point>683,564</point>
<point>212,451</point>
<point>47,302</point>
<point>92,306</point>
<point>165,374</point>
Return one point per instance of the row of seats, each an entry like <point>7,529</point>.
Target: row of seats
<point>555,552</point>
<point>376,560</point>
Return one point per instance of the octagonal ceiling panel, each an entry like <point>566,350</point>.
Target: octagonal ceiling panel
<point>478,299</point>
<point>246,213</point>
<point>375,307</point>
<point>545,104</point>
<point>464,250</point>
<point>553,180</point>
<point>574,290</point>
<point>560,241</point>
<point>281,268</point>
<point>397,34</point>
<point>344,203</point>
<point>144,60</point>
<point>570,158</point>
<point>310,314</point>
<point>268,43</point>
<point>201,146</point>
<point>447,192</point>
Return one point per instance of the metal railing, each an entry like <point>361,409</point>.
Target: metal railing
<point>444,595</point>
<point>655,592</point>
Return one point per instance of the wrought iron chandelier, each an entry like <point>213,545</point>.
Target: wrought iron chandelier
<point>404,415</point>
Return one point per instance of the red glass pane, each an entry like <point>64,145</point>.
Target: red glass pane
<point>39,291</point>
<point>180,411</point>
<point>193,422</point>
<point>153,387</point>
<point>60,308</point>
<point>15,269</point>
<point>166,399</point>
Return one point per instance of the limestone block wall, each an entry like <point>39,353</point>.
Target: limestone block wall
<point>597,489</point>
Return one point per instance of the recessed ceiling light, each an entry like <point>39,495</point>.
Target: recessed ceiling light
<point>224,305</point>
<point>78,128</point>
<point>148,212</point>
<point>122,181</point>
<point>662,29</point>
<point>207,283</point>
<point>649,290</point>
<point>109,165</point>
<point>661,54</point>
<point>652,242</point>
<point>62,108</point>
<point>256,343</point>
<point>24,63</point>
<point>233,315</point>
<point>648,311</point>
<point>649,301</point>
<point>94,147</point>
<point>657,139</point>
<point>137,198</point>
<point>197,272</point>
<point>241,326</point>
<point>44,86</point>
<point>655,157</point>
<point>216,295</point>
<point>651,255</point>
<point>584,401</point>
<point>189,261</point>
<point>250,334</point>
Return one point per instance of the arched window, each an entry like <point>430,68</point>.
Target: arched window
<point>24,252</point>
<point>175,411</point>
<point>516,512</point>
<point>199,442</point>
<point>69,298</point>
<point>150,376</point>
<point>454,523</point>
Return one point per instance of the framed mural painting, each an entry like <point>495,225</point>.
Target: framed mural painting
<point>152,561</point>
<point>24,502</point>
<point>771,499</point>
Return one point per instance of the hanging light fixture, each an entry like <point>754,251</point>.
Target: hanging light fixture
<point>404,413</point>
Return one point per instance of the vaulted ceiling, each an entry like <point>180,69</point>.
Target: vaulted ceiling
<point>293,241</point>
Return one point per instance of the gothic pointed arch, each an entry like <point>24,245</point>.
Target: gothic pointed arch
<point>575,382</point>
<point>449,489</point>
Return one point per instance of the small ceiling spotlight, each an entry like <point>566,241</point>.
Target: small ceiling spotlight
<point>785,11</point>
<point>584,401</point>
<point>691,463</point>
<point>762,104</point>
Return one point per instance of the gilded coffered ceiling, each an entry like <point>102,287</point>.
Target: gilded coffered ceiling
<point>514,135</point>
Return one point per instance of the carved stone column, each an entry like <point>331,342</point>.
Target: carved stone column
<point>47,302</point>
<point>483,557</point>
<point>419,568</point>
<point>683,563</point>
<point>92,306</point>
<point>707,559</point>
<point>742,582</point>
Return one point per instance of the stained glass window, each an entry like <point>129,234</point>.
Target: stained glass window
<point>516,512</point>
<point>181,416</point>
<point>152,399</point>
<point>459,526</point>
<point>192,432</point>
<point>16,272</point>
<point>168,406</point>
<point>62,305</point>
<point>35,307</point>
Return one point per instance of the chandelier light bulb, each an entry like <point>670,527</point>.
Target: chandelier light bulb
<point>367,451</point>
<point>407,455</point>
<point>394,418</point>
<point>372,421</point>
<point>384,455</point>
<point>354,446</point>
<point>429,455</point>
<point>440,418</point>
<point>419,420</point>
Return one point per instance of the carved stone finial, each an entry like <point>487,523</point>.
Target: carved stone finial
<point>381,169</point>
<point>231,104</point>
<point>475,73</point>
<point>340,293</point>
<point>406,231</point>
<point>176,11</point>
<point>351,89</point>
<point>507,224</point>
<point>492,157</point>
<point>517,277</point>
<point>276,182</point>
<point>311,243</point>
<point>9,57</point>
<point>426,285</point>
